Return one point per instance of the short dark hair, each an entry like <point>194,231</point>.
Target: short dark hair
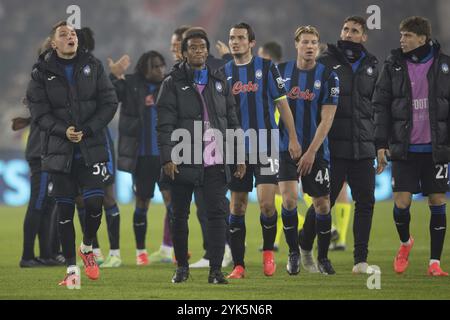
<point>56,26</point>
<point>359,20</point>
<point>193,33</point>
<point>418,25</point>
<point>194,29</point>
<point>180,30</point>
<point>243,25</point>
<point>273,49</point>
<point>86,39</point>
<point>142,64</point>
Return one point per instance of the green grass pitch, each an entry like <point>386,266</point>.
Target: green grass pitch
<point>153,282</point>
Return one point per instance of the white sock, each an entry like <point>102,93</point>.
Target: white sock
<point>139,252</point>
<point>97,251</point>
<point>433,261</point>
<point>72,269</point>
<point>305,252</point>
<point>115,253</point>
<point>166,250</point>
<point>85,249</point>
<point>407,243</point>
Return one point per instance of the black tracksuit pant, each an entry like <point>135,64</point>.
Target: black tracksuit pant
<point>214,190</point>
<point>360,176</point>
<point>37,219</point>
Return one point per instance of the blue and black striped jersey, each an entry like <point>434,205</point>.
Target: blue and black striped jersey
<point>148,144</point>
<point>308,91</point>
<point>256,87</point>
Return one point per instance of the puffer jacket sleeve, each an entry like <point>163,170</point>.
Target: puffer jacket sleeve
<point>106,102</point>
<point>233,121</point>
<point>40,108</point>
<point>167,118</point>
<point>120,86</point>
<point>381,100</point>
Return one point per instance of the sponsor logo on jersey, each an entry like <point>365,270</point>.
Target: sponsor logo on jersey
<point>334,92</point>
<point>280,82</point>
<point>296,93</point>
<point>240,87</point>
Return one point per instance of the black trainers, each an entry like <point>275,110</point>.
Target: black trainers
<point>181,275</point>
<point>60,259</point>
<point>337,247</point>
<point>32,263</point>
<point>293,265</point>
<point>48,262</point>
<point>325,266</point>
<point>334,235</point>
<point>217,277</point>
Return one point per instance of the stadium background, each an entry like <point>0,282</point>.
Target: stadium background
<point>133,27</point>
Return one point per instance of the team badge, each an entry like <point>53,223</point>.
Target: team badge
<point>219,87</point>
<point>317,85</point>
<point>258,74</point>
<point>444,68</point>
<point>370,71</point>
<point>50,187</point>
<point>87,70</point>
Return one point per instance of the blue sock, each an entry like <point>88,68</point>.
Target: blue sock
<point>323,231</point>
<point>402,218</point>
<point>438,226</point>
<point>269,230</point>
<point>290,223</point>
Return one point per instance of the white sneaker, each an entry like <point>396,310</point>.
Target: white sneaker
<point>202,263</point>
<point>360,268</point>
<point>227,257</point>
<point>72,279</point>
<point>364,268</point>
<point>308,262</point>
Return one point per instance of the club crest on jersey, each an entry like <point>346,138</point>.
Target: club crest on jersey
<point>50,187</point>
<point>317,85</point>
<point>219,87</point>
<point>87,70</point>
<point>444,68</point>
<point>258,74</point>
<point>369,71</point>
